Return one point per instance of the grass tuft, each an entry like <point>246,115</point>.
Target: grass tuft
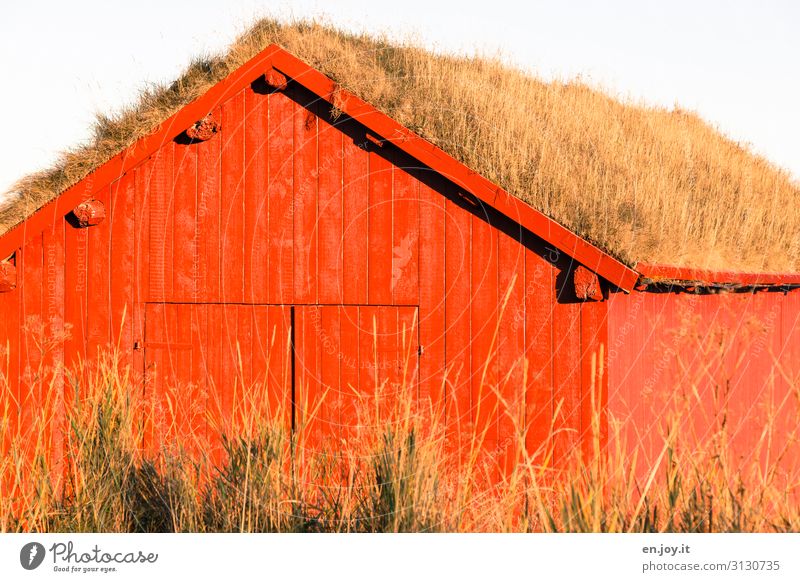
<point>395,475</point>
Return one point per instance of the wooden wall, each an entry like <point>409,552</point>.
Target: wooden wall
<point>725,365</point>
<point>289,207</point>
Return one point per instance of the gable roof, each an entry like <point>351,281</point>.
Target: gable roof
<point>274,57</point>
<point>716,208</point>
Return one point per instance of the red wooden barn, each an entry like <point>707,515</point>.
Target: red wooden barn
<point>258,235</point>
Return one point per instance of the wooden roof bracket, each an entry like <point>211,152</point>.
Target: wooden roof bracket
<point>276,80</point>
<point>89,213</point>
<point>8,275</point>
<point>204,129</point>
<point>587,284</point>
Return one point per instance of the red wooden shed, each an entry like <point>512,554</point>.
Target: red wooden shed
<point>262,234</point>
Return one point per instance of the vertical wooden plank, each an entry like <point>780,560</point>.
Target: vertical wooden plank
<point>209,219</point>
<point>269,336</point>
<point>141,275</point>
<point>308,385</point>
<point>259,349</point>
<point>8,408</point>
<point>52,406</point>
<point>174,360</point>
<point>199,388</point>
<point>99,284</point>
<point>432,299</point>
<point>305,169</point>
<point>331,283</point>
<point>9,368</point>
<point>53,299</point>
<point>789,327</point>
<point>787,330</point>
<point>184,223</point>
<point>510,348</point>
<point>217,379</point>
<point>123,223</point>
<point>256,216</point>
<point>405,238</point>
<point>161,236</point>
<point>483,313</point>
<point>631,347</point>
<point>14,325</point>
<point>75,301</point>
<point>244,366</point>
<point>594,377</point>
<point>538,325</point>
<point>349,369</point>
<point>408,351</point>
<point>458,261</point>
<point>280,362</point>
<point>566,375</point>
<point>228,382</point>
<point>387,363</point>
<point>379,268</point>
<point>329,341</point>
<point>355,228</point>
<point>184,390</point>
<point>156,371</point>
<point>368,380</point>
<point>281,204</point>
<point>232,197</point>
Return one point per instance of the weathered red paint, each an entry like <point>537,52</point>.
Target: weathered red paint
<point>705,362</point>
<point>291,252</point>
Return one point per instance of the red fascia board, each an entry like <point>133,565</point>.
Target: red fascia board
<point>273,56</point>
<point>387,128</point>
<point>672,273</point>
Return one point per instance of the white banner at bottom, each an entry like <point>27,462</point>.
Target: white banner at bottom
<point>406,557</point>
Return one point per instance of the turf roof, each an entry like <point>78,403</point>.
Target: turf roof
<point>642,183</point>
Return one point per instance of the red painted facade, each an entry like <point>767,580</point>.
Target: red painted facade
<point>295,262</point>
<point>724,363</point>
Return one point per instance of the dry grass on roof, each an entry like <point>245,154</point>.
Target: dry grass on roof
<point>643,183</point>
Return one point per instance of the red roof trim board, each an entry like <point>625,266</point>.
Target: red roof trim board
<point>670,273</point>
<point>389,130</point>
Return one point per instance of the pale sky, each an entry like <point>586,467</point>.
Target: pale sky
<point>735,63</point>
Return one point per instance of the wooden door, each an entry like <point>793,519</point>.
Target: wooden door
<point>355,368</point>
<point>331,372</point>
<point>212,369</point>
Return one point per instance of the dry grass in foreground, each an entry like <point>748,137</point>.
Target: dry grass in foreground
<point>393,477</point>
<point>644,183</point>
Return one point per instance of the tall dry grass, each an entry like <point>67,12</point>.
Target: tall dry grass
<point>394,476</point>
<point>644,183</point>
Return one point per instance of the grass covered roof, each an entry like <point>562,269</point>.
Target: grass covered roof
<point>642,183</point>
